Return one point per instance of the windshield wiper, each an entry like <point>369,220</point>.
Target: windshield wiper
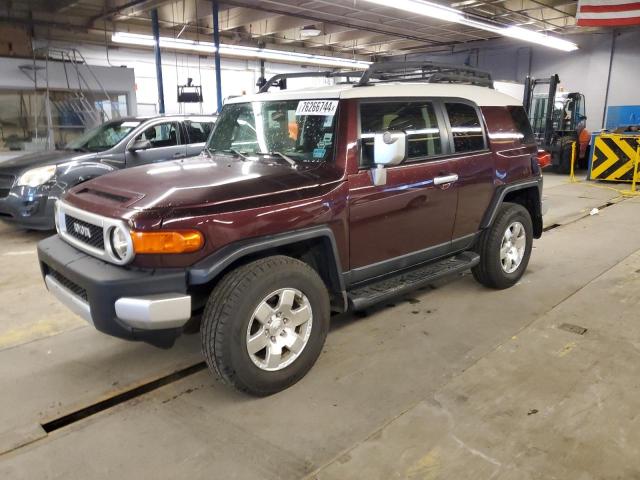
<point>242,155</point>
<point>209,151</point>
<point>281,155</point>
<point>232,151</point>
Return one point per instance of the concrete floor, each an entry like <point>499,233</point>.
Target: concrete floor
<point>452,382</point>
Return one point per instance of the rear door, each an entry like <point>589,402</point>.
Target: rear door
<point>410,218</point>
<point>472,161</point>
<point>197,133</point>
<point>167,143</point>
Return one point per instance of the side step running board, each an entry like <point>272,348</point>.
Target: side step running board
<point>404,282</point>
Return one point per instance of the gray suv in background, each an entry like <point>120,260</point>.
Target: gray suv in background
<point>31,184</point>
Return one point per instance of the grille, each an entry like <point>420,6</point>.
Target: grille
<point>69,285</point>
<point>6,182</point>
<point>87,233</point>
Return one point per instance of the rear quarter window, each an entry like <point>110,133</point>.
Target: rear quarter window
<point>522,125</point>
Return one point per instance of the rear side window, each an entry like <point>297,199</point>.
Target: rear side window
<point>521,122</point>
<point>198,131</point>
<point>417,119</point>
<point>465,127</point>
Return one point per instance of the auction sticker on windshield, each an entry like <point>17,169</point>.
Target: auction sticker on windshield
<point>317,107</point>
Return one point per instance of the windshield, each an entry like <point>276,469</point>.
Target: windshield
<point>300,130</point>
<point>103,137</point>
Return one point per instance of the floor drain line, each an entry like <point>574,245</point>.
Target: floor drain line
<point>556,225</point>
<point>111,402</point>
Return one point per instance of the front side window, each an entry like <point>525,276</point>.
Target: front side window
<point>417,119</point>
<point>104,137</point>
<point>162,135</point>
<point>301,130</point>
<point>465,127</point>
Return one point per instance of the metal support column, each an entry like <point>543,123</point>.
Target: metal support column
<point>614,34</point>
<point>156,49</point>
<point>216,41</point>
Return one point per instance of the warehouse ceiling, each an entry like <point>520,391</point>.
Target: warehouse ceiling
<point>339,27</point>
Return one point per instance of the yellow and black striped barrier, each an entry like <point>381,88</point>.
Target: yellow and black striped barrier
<point>614,157</point>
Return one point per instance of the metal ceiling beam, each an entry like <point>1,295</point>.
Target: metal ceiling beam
<point>277,24</point>
<point>62,5</point>
<point>334,19</point>
<point>134,6</point>
<point>237,17</point>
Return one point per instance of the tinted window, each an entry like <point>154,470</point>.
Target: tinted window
<point>521,122</point>
<point>417,119</point>
<point>466,127</point>
<point>162,135</point>
<point>198,131</point>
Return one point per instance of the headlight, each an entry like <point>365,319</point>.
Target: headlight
<point>120,242</point>
<point>37,176</point>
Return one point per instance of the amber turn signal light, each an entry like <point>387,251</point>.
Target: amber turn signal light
<point>184,241</point>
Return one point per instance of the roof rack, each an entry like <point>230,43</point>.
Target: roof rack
<point>280,80</point>
<point>429,72</point>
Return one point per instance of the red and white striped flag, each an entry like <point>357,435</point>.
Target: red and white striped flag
<point>608,13</point>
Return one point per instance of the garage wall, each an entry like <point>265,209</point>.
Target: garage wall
<point>238,76</point>
<point>120,80</point>
<point>585,70</point>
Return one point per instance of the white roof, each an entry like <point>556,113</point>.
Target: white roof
<point>481,96</point>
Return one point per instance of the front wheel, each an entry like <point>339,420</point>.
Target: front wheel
<point>265,324</point>
<point>505,248</point>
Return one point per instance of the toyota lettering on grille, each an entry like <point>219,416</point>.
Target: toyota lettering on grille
<point>82,230</point>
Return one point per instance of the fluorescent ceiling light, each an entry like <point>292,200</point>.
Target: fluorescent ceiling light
<point>448,14</point>
<point>239,51</point>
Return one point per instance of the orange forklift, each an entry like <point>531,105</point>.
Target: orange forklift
<point>558,120</point>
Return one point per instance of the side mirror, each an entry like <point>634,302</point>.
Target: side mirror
<point>140,145</point>
<point>389,148</point>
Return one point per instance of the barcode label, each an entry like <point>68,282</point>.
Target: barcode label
<point>317,107</point>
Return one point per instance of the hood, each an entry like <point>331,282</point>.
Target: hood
<point>202,180</point>
<point>42,159</point>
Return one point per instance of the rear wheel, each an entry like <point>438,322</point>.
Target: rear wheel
<point>265,324</point>
<point>505,248</point>
<point>564,165</point>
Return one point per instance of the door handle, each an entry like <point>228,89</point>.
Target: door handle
<point>179,155</point>
<point>445,179</point>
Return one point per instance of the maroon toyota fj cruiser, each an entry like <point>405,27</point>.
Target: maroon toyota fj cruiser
<point>304,203</point>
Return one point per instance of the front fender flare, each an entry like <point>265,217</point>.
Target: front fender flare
<point>212,266</point>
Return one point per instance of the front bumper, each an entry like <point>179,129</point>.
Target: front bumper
<point>29,207</point>
<point>148,305</point>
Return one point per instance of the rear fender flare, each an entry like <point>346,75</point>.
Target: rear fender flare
<point>502,192</point>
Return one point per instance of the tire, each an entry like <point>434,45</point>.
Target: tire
<point>237,310</point>
<point>564,164</point>
<point>491,271</point>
